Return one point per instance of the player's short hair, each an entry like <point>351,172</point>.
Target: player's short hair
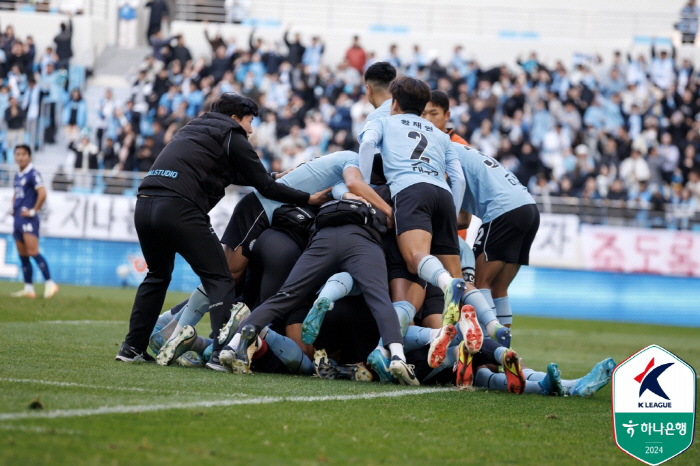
<point>25,147</point>
<point>440,99</point>
<point>231,103</point>
<point>411,94</point>
<point>380,74</point>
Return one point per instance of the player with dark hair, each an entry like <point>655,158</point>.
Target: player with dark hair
<point>28,198</point>
<point>378,78</point>
<point>185,182</point>
<point>437,111</point>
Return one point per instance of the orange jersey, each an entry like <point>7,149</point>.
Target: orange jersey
<point>454,137</point>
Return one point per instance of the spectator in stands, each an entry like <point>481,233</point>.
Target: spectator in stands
<point>356,55</point>
<point>180,52</point>
<point>109,155</point>
<point>14,121</point>
<point>393,56</point>
<point>662,67</point>
<point>63,41</point>
<point>693,185</point>
<point>236,10</point>
<point>84,154</point>
<point>634,170</point>
<point>295,49</point>
<point>31,107</point>
<point>74,115</point>
<point>127,23</point>
<point>688,25</point>
<point>159,13</point>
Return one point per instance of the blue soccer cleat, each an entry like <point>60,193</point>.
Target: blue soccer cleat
<point>156,341</point>
<point>312,324</point>
<point>190,359</point>
<point>380,364</point>
<point>453,298</point>
<point>595,379</point>
<point>551,384</point>
<point>502,336</point>
<point>207,352</point>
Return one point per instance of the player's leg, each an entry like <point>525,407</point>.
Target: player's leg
<point>337,287</point>
<point>197,305</point>
<point>31,242</point>
<point>27,271</point>
<point>288,352</point>
<point>499,292</point>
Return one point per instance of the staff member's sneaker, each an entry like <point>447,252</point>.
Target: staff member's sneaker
<point>24,294</point>
<point>130,354</point>
<point>50,290</point>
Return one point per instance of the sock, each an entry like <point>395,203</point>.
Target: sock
<point>28,287</point>
<point>503,310</point>
<point>406,313</point>
<point>164,319</point>
<point>289,353</point>
<point>569,385</point>
<point>497,381</point>
<point>417,337</point>
<point>200,344</point>
<point>397,350</point>
<point>235,341</point>
<point>43,266</point>
<point>449,362</point>
<point>337,287</point>
<point>169,329</point>
<point>487,295</point>
<point>498,354</point>
<point>27,270</point>
<point>484,313</point>
<point>431,270</point>
<point>197,306</point>
<point>262,348</point>
<point>533,375</point>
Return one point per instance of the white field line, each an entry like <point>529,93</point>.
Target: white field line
<point>107,387</point>
<point>210,404</point>
<point>80,322</point>
<point>39,430</point>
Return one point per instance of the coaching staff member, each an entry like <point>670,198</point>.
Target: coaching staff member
<point>186,181</point>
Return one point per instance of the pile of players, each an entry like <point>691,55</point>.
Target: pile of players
<point>402,298</point>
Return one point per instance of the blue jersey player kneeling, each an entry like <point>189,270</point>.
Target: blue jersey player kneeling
<point>29,195</point>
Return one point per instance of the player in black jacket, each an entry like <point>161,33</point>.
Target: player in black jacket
<point>186,181</point>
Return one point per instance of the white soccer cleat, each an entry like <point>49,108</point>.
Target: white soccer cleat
<point>50,291</point>
<point>403,372</point>
<point>470,329</point>
<point>24,294</point>
<point>177,346</point>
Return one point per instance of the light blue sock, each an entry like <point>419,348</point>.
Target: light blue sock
<point>487,295</point>
<point>406,313</point>
<point>498,354</point>
<point>288,352</point>
<point>416,337</point>
<point>484,312</point>
<point>467,261</point>
<point>503,310</point>
<point>165,318</point>
<point>497,381</point>
<point>450,359</point>
<point>195,309</point>
<point>430,268</point>
<point>569,385</point>
<point>339,286</point>
<point>533,376</point>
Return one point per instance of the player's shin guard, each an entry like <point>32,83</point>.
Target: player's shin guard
<point>339,286</point>
<point>27,270</point>
<point>416,337</point>
<point>197,306</point>
<point>288,352</point>
<point>406,313</point>
<point>43,266</point>
<point>503,310</point>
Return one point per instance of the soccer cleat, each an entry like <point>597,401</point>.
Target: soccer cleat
<point>190,359</point>
<point>438,347</point>
<point>23,294</point>
<point>246,348</point>
<point>551,384</point>
<point>327,369</point>
<point>502,336</point>
<point>176,347</point>
<point>312,323</point>
<point>239,313</point>
<point>403,372</point>
<point>471,331</point>
<point>207,352</point>
<point>380,364</point>
<point>514,372</point>
<point>50,291</point>
<point>214,363</point>
<point>130,354</point>
<point>465,369</point>
<point>453,297</point>
<point>595,379</point>
<point>157,340</point>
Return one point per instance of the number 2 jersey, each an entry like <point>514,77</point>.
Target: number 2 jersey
<point>413,151</point>
<point>491,189</point>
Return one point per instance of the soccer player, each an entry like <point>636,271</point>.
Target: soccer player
<point>437,111</point>
<point>378,78</point>
<point>28,198</point>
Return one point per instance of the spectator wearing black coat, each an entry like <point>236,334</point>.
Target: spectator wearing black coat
<point>159,12</point>
<point>296,50</point>
<point>63,42</point>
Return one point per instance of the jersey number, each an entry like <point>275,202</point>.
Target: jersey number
<point>479,235</point>
<point>420,147</point>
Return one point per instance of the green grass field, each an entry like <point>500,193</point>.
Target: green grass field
<point>98,411</point>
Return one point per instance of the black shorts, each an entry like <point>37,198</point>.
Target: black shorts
<point>508,238</point>
<point>395,264</point>
<point>430,208</point>
<point>247,222</point>
<point>433,304</point>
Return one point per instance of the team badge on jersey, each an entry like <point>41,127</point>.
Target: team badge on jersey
<point>653,404</point>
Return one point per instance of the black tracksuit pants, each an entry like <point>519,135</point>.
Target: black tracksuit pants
<point>347,248</point>
<point>169,225</point>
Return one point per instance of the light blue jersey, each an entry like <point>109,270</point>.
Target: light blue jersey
<point>384,110</point>
<point>311,177</point>
<point>491,189</point>
<point>413,150</point>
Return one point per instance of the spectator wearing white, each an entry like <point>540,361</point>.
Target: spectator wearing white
<point>634,169</point>
<point>31,106</point>
<point>556,145</point>
<point>637,71</point>
<point>127,23</point>
<point>105,113</point>
<point>663,71</point>
<point>604,179</point>
<point>670,155</point>
<point>16,81</point>
<point>688,25</point>
<point>83,155</point>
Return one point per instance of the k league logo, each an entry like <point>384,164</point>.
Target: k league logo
<point>653,404</point>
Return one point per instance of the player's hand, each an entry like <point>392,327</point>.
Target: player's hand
<point>26,213</point>
<point>320,197</point>
<point>390,221</point>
